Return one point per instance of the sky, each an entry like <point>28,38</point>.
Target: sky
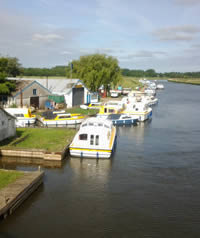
<point>142,34</point>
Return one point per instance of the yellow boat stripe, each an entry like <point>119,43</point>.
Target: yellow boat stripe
<point>112,137</point>
<point>64,119</point>
<point>93,150</point>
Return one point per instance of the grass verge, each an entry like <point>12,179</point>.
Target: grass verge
<point>88,112</point>
<point>194,81</point>
<point>49,139</point>
<point>8,177</point>
<point>130,82</point>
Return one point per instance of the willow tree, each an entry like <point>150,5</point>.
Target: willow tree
<point>95,70</point>
<point>8,67</point>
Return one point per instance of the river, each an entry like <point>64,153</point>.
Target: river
<point>150,187</point>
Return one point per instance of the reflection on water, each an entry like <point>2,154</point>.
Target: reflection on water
<point>97,169</point>
<point>138,131</point>
<point>15,162</point>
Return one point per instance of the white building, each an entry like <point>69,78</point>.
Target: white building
<point>7,125</point>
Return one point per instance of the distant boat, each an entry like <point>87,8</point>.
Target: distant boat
<point>95,138</point>
<point>23,116</point>
<point>160,86</point>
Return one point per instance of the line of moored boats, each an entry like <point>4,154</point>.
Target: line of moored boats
<point>96,136</point>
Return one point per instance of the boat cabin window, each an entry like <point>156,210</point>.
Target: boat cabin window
<point>63,117</point>
<point>111,110</point>
<point>133,106</point>
<point>106,126</point>
<point>84,125</point>
<point>126,117</point>
<point>91,124</point>
<point>136,109</point>
<point>100,124</point>
<point>91,139</point>
<point>19,115</point>
<point>83,137</point>
<point>105,110</point>
<point>97,140</point>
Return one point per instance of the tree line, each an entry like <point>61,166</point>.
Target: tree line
<point>94,70</point>
<point>153,73</point>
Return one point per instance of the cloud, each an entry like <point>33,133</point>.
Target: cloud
<point>122,17</point>
<point>47,37</point>
<point>187,3</point>
<point>177,33</point>
<point>145,54</point>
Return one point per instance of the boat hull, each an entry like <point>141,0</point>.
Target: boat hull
<point>25,122</point>
<point>80,152</point>
<point>125,122</point>
<point>62,122</point>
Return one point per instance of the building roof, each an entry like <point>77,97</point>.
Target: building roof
<point>8,114</point>
<point>22,85</point>
<point>55,86</point>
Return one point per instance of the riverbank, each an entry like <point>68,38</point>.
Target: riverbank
<point>39,143</point>
<point>194,81</point>
<point>48,139</point>
<point>8,177</point>
<point>14,193</point>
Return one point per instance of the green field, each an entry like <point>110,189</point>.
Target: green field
<point>7,177</point>
<point>194,81</point>
<point>49,139</point>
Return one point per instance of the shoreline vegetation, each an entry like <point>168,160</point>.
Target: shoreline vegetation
<point>8,177</point>
<point>194,81</point>
<point>48,139</point>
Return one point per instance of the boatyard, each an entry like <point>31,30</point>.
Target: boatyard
<point>151,178</point>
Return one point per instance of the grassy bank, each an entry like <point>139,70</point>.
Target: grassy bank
<point>129,82</point>
<point>194,81</point>
<point>7,177</point>
<point>49,139</point>
<point>88,112</point>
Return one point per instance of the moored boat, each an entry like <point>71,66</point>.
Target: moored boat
<point>139,109</point>
<point>23,116</point>
<point>123,119</point>
<point>110,107</point>
<point>56,118</point>
<point>95,138</point>
<point>160,86</point>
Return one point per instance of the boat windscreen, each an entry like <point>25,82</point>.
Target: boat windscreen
<point>114,116</point>
<point>49,115</point>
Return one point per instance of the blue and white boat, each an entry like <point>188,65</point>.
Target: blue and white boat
<point>123,119</point>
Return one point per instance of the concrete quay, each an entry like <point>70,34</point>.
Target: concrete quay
<point>15,193</point>
<point>39,154</point>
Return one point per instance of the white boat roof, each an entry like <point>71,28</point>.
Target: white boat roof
<point>96,121</point>
<point>16,110</point>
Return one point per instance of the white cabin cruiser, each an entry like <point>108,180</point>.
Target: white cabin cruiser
<point>110,107</point>
<point>23,116</point>
<point>96,139</point>
<point>160,86</point>
<point>55,118</point>
<point>140,109</point>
